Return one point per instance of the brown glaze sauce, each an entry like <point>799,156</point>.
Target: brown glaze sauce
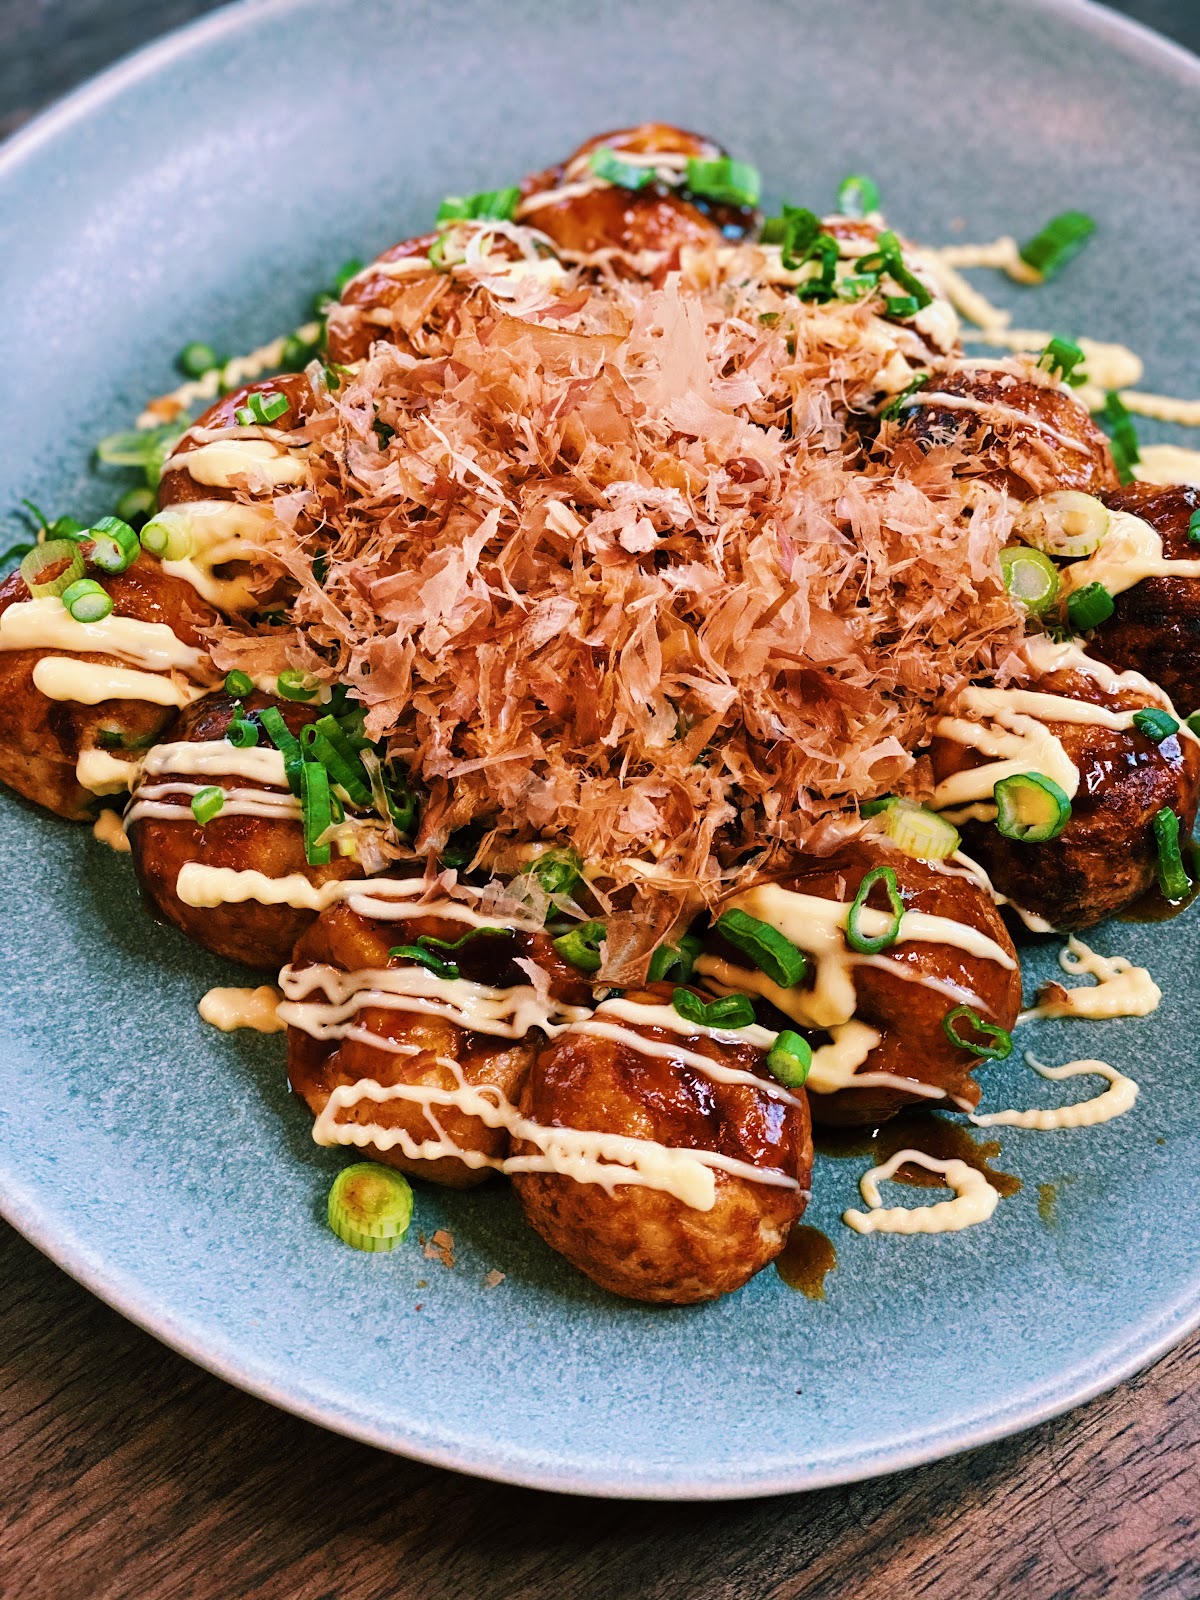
<point>805,1261</point>
<point>924,1131</point>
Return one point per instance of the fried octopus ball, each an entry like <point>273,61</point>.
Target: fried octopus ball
<point>41,740</point>
<point>642,1242</point>
<point>259,936</point>
<point>1155,626</point>
<point>907,1011</point>
<point>343,939</point>
<point>656,220</point>
<point>178,486</point>
<point>1106,856</point>
<point>1027,436</point>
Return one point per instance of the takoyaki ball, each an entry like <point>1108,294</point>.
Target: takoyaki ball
<point>909,1010</point>
<point>43,739</point>
<point>1155,626</point>
<point>1106,856</point>
<point>404,306</point>
<point>1021,434</point>
<point>258,936</point>
<point>644,229</point>
<point>639,1241</point>
<point>178,486</point>
<point>415,1047</point>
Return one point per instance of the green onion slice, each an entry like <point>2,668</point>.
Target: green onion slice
<point>261,408</point>
<point>915,830</point>
<point>1194,528</point>
<point>857,196</point>
<point>1030,808</point>
<point>558,871</point>
<point>286,743</point>
<point>675,962</point>
<point>730,1011</point>
<point>855,937</point>
<point>1030,577</point>
<point>581,946</point>
<point>195,359</point>
<point>293,684</point>
<point>895,406</point>
<point>728,182</point>
<point>1061,356</point>
<point>115,546</point>
<point>417,953</point>
<point>428,941</point>
<point>317,811</point>
<point>239,684</point>
<point>1155,724</point>
<point>901,307</point>
<point>1066,522</point>
<point>136,505</point>
<point>996,1051</point>
<point>241,733</point>
<point>790,1059</point>
<point>796,230</point>
<point>168,536</point>
<point>1059,241</point>
<point>888,257</point>
<point>1122,435</point>
<point>370,1207</point>
<point>1172,874</point>
<point>145,449</point>
<point>350,776</point>
<point>770,952</point>
<point>490,205</point>
<point>87,601</point>
<point>45,556</point>
<point>206,803</point>
<point>606,165</point>
<point>1088,608</point>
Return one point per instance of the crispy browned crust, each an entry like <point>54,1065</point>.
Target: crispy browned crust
<point>42,739</point>
<point>1013,455</point>
<point>177,486</point>
<point>639,1242</point>
<point>254,935</point>
<point>1105,858</point>
<point>1155,628</point>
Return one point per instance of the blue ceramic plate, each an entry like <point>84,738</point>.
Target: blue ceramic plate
<point>203,189</point>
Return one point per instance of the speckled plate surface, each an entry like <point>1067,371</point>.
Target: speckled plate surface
<point>203,189</point>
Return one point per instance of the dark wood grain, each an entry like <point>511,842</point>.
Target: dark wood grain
<point>125,1472</point>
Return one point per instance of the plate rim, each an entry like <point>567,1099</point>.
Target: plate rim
<point>119,1288</point>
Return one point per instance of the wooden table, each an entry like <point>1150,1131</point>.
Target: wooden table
<point>126,1472</point>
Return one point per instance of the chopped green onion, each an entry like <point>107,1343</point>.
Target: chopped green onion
<point>1088,608</point>
<point>206,803</point>
<point>45,556</point>
<point>770,952</point>
<point>1061,356</point>
<point>916,831</point>
<point>902,306</point>
<point>1193,723</point>
<point>728,182</point>
<point>262,408</point>
<point>317,811</point>
<point>168,536</point>
<point>118,739</point>
<point>428,941</point>
<point>490,205</point>
<point>1155,724</point>
<point>790,1059</point>
<point>675,961</point>
<point>87,601</point>
<point>370,1207</point>
<point>147,449</point>
<point>855,286</point>
<point>347,772</point>
<point>239,684</point>
<point>1059,241</point>
<point>1194,528</point>
<point>115,546</point>
<point>1066,522</point>
<point>293,684</point>
<point>887,257</point>
<point>558,871</point>
<point>891,412</point>
<point>1172,874</point>
<point>989,1052</point>
<point>424,958</point>
<point>855,938</point>
<point>242,734</point>
<point>824,249</point>
<point>606,165</point>
<point>581,946</point>
<point>730,1011</point>
<point>872,808</point>
<point>795,231</point>
<point>1030,577</point>
<point>1030,808</point>
<point>195,359</point>
<point>857,196</point>
<point>286,743</point>
<point>1122,435</point>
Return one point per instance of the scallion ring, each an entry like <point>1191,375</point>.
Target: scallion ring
<point>867,944</point>
<point>1194,528</point>
<point>581,946</point>
<point>770,951</point>
<point>675,962</point>
<point>490,205</point>
<point>317,811</point>
<point>789,1059</point>
<point>1058,242</point>
<point>293,684</point>
<point>87,600</point>
<point>730,1011</point>
<point>1030,808</point>
<point>558,871</point>
<point>207,803</point>
<point>44,558</point>
<point>857,196</point>
<point>168,536</point>
<point>1172,876</point>
<point>1066,522</point>
<point>242,734</point>
<point>606,165</point>
<point>724,180</point>
<point>1122,435</point>
<point>997,1051</point>
<point>1030,577</point>
<point>1087,608</point>
<point>1155,724</point>
<point>195,359</point>
<point>115,546</point>
<point>422,957</point>
<point>370,1207</point>
<point>239,684</point>
<point>1062,356</point>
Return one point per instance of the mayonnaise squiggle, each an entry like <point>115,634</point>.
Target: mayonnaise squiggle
<point>1120,990</point>
<point>1115,1101</point>
<point>974,1199</point>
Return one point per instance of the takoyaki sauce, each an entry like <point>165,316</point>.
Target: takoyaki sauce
<point>805,1260</point>
<point>1154,906</point>
<point>1048,1203</point>
<point>924,1131</point>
